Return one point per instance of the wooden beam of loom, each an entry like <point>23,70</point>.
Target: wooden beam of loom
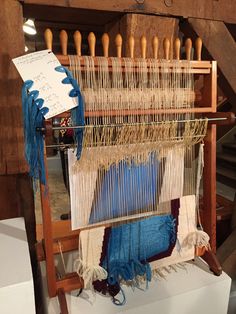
<point>207,9</point>
<point>221,46</point>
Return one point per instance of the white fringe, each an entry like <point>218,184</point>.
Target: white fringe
<point>198,238</point>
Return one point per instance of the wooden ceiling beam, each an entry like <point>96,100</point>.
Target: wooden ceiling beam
<point>219,10</point>
<point>220,45</point>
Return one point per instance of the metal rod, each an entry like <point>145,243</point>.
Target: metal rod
<point>124,124</point>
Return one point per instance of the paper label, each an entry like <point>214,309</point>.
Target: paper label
<point>40,68</point>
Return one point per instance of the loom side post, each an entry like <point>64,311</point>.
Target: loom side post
<point>47,234</point>
<point>62,301</point>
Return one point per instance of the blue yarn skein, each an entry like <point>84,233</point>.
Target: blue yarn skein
<point>33,118</point>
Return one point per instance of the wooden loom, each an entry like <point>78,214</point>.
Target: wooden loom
<point>57,236</point>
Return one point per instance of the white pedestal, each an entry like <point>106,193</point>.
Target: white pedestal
<point>194,290</point>
<point>16,282</point>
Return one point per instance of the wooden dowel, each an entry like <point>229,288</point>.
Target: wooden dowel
<point>48,37</point>
<point>63,41</point>
<point>188,48</point>
<point>143,46</point>
<point>92,43</point>
<point>166,47</point>
<point>155,46</point>
<point>131,46</point>
<point>78,41</point>
<point>177,49</point>
<point>105,44</point>
<point>118,43</point>
<point>198,47</point>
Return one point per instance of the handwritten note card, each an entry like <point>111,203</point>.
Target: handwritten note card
<point>40,68</point>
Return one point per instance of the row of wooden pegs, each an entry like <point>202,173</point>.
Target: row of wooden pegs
<point>48,36</point>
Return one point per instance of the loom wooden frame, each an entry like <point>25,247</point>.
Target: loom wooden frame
<point>51,233</point>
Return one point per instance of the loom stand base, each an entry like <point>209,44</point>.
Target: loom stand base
<point>62,301</point>
<point>210,258</point>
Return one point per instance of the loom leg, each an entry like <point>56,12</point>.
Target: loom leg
<point>210,258</point>
<point>62,301</point>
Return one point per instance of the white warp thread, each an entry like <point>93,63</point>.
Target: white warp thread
<point>87,263</point>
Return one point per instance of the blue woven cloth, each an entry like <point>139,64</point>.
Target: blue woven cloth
<point>130,245</point>
<point>126,189</point>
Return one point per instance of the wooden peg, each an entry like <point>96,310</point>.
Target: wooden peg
<point>92,43</point>
<point>118,43</point>
<point>155,46</point>
<point>188,48</point>
<point>198,47</point>
<point>177,48</point>
<point>63,41</point>
<point>48,38</point>
<point>143,46</point>
<point>131,46</point>
<point>105,44</point>
<point>78,41</point>
<point>166,47</point>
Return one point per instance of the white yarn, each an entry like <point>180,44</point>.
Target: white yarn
<point>198,238</point>
<point>87,263</point>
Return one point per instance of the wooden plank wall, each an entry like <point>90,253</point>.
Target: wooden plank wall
<point>138,25</point>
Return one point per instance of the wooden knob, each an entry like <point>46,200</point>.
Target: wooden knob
<point>166,47</point>
<point>118,43</point>
<point>131,46</point>
<point>48,38</point>
<point>188,48</point>
<point>177,48</point>
<point>92,43</point>
<point>198,47</point>
<point>143,46</point>
<point>105,44</point>
<point>63,41</point>
<point>78,41</point>
<point>155,46</point>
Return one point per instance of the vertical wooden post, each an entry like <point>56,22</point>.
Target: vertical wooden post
<point>47,233</point>
<point>209,185</point>
<point>209,179</point>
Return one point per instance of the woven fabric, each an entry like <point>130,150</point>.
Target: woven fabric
<point>137,186</point>
<point>131,245</point>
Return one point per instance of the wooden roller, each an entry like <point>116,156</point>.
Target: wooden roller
<point>92,44</point>
<point>166,47</point>
<point>177,49</point>
<point>118,43</point>
<point>143,46</point>
<point>188,48</point>
<point>155,46</point>
<point>198,47</point>
<point>105,44</point>
<point>78,41</point>
<point>48,37</point>
<point>63,41</point>
<point>131,46</point>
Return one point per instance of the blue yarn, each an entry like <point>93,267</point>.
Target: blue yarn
<point>77,113</point>
<point>130,246</point>
<point>33,117</point>
<point>138,185</point>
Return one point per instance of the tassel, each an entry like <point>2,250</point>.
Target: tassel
<point>89,273</point>
<point>198,238</point>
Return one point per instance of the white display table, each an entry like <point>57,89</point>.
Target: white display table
<point>16,282</point>
<point>194,290</point>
